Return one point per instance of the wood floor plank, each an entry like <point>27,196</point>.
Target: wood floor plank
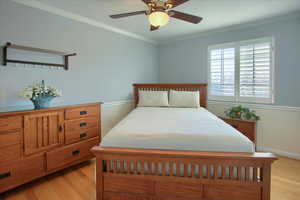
<point>83,187</point>
<point>30,195</point>
<point>78,183</point>
<point>44,191</point>
<point>65,190</point>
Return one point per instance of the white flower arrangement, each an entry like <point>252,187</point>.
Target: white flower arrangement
<point>38,90</point>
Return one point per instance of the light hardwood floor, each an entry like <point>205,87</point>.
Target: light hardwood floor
<point>78,183</point>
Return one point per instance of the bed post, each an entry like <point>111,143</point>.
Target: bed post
<point>135,95</point>
<point>266,174</point>
<point>99,177</point>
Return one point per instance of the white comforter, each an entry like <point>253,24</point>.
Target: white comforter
<point>193,129</point>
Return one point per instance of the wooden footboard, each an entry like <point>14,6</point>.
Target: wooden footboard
<point>137,174</point>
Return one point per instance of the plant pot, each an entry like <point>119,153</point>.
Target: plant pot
<point>236,115</point>
<point>42,102</point>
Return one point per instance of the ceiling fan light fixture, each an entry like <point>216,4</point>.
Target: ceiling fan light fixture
<point>159,18</point>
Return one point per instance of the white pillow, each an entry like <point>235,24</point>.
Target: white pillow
<point>153,98</point>
<point>184,99</point>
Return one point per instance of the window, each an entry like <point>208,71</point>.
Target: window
<point>242,71</point>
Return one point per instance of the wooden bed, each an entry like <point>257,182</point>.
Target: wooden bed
<point>144,174</point>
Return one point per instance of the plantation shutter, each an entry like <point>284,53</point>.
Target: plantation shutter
<point>255,71</point>
<point>222,72</point>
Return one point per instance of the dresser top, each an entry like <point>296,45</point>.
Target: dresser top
<point>19,110</point>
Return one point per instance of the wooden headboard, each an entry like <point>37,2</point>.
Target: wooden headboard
<point>166,87</point>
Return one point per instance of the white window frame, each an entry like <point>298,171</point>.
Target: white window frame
<point>236,97</point>
<point>216,97</point>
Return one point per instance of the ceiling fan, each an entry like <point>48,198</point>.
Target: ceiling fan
<point>159,13</point>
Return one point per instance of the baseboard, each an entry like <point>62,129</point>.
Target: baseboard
<point>279,152</point>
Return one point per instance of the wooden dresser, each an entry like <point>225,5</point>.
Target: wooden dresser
<point>35,143</point>
<point>247,127</point>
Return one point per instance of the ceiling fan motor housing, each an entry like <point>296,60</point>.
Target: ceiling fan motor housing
<point>159,5</point>
<point>159,13</point>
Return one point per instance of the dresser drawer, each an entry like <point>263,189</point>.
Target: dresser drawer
<point>82,112</point>
<point>10,123</point>
<point>9,176</point>
<point>33,167</point>
<point>77,135</point>
<point>248,128</point>
<point>81,124</point>
<point>10,138</point>
<point>63,156</point>
<point>10,153</point>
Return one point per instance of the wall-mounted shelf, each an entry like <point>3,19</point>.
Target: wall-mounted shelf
<point>47,51</point>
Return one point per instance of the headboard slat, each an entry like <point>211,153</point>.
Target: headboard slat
<point>202,87</point>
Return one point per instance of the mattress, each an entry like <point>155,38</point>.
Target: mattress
<point>194,129</point>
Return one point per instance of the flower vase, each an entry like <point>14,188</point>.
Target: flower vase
<point>42,102</point>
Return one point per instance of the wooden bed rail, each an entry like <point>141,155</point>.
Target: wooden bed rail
<point>186,154</point>
<point>162,175</point>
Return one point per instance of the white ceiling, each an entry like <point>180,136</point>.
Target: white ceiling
<point>216,14</point>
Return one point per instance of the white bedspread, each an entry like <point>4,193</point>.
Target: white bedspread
<point>193,129</point>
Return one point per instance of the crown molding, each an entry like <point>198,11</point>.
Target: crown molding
<point>82,19</point>
<point>63,13</point>
<point>270,20</point>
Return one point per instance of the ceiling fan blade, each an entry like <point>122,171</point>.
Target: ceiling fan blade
<point>176,3</point>
<point>147,1</point>
<point>128,14</point>
<point>185,17</point>
<point>154,28</point>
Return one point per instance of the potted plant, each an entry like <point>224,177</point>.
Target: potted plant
<point>240,112</point>
<point>40,94</point>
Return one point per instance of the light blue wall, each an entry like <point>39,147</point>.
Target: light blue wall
<point>186,60</point>
<point>104,70</point>
<point>108,63</point>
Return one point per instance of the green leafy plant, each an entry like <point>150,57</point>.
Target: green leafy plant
<point>240,112</point>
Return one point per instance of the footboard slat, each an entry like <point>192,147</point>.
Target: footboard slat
<point>255,178</point>
<point>200,171</point>
<point>196,175</point>
<point>224,172</point>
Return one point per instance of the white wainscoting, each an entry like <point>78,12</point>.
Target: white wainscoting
<point>113,112</point>
<point>278,131</point>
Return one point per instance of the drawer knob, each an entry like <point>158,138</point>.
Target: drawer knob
<point>61,128</point>
<point>82,124</point>
<point>235,126</point>
<point>82,135</point>
<point>76,152</point>
<point>5,175</point>
<point>83,112</point>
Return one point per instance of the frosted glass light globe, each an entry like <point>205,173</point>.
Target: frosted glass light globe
<point>158,18</point>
